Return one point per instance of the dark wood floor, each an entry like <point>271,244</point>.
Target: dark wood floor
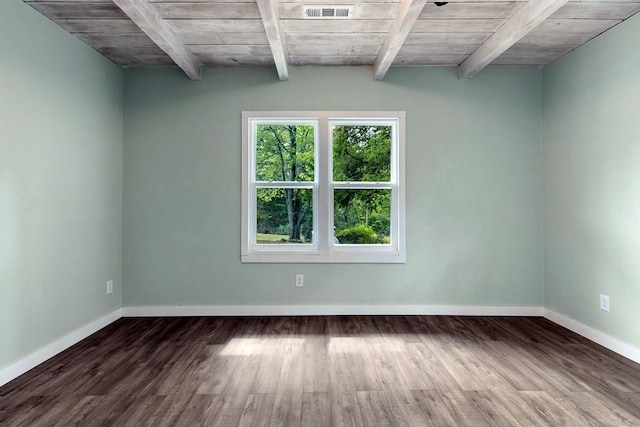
<point>328,371</point>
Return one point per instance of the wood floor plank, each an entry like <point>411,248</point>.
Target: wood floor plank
<point>222,330</point>
<point>397,327</point>
<point>470,371</point>
<point>316,366</point>
<point>550,410</point>
<point>311,327</point>
<point>229,408</point>
<point>282,327</point>
<point>218,369</point>
<point>335,326</point>
<point>539,368</point>
<point>433,408</point>
<point>227,411</point>
<point>630,402</point>
<point>93,410</point>
<point>24,411</point>
<point>370,331</point>
<point>360,362</point>
<point>268,374</point>
<point>611,373</point>
<point>172,408</point>
<point>344,409</point>
<point>516,368</point>
<point>412,372</point>
<point>491,409</point>
<point>257,410</point>
<point>553,362</point>
<point>316,409</point>
<point>287,408</point>
<point>200,411</point>
<point>517,405</point>
<point>141,409</point>
<point>334,370</point>
<point>375,409</point>
<point>341,374</point>
<point>74,414</point>
<point>57,409</point>
<point>168,376</point>
<point>195,411</point>
<point>313,330</point>
<point>431,367</point>
<point>452,329</point>
<point>466,413</point>
<point>405,409</point>
<point>590,405</point>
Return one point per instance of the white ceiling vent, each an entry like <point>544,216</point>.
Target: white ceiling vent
<point>328,12</point>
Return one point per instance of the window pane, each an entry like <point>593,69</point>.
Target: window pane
<point>362,153</point>
<point>284,215</point>
<point>285,152</point>
<point>362,216</point>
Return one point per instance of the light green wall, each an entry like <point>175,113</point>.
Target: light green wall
<point>591,134</point>
<point>60,182</point>
<point>474,188</point>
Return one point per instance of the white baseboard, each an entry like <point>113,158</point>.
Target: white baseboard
<point>34,359</point>
<point>594,335</point>
<point>329,310</point>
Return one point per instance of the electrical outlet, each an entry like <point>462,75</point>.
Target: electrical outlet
<point>604,302</point>
<point>299,280</point>
<point>109,287</point>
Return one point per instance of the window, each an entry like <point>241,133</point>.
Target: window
<point>323,187</point>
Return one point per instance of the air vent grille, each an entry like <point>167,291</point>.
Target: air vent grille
<point>328,12</point>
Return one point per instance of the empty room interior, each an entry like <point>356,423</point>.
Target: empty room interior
<point>329,213</point>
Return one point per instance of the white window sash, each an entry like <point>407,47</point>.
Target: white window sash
<point>323,248</point>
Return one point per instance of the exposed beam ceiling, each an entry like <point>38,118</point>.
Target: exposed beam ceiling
<point>271,23</point>
<point>378,33</point>
<point>408,14</point>
<point>519,25</point>
<point>152,24</point>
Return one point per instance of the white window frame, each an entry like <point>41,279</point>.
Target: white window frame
<point>323,249</point>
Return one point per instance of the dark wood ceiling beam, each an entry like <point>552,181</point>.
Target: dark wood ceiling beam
<point>408,14</point>
<point>151,23</point>
<point>271,22</point>
<point>519,25</point>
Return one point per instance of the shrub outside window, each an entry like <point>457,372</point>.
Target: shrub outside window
<point>323,187</point>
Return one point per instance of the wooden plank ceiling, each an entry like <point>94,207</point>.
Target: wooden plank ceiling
<point>469,34</point>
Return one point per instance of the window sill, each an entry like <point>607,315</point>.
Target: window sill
<point>332,258</point>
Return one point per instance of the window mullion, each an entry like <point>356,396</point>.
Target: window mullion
<point>325,205</point>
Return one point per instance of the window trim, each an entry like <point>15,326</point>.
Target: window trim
<point>323,250</point>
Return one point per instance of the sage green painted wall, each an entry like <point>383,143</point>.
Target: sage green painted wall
<point>60,182</point>
<point>591,134</point>
<point>474,188</point>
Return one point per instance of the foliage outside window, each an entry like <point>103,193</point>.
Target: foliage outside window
<point>323,187</point>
